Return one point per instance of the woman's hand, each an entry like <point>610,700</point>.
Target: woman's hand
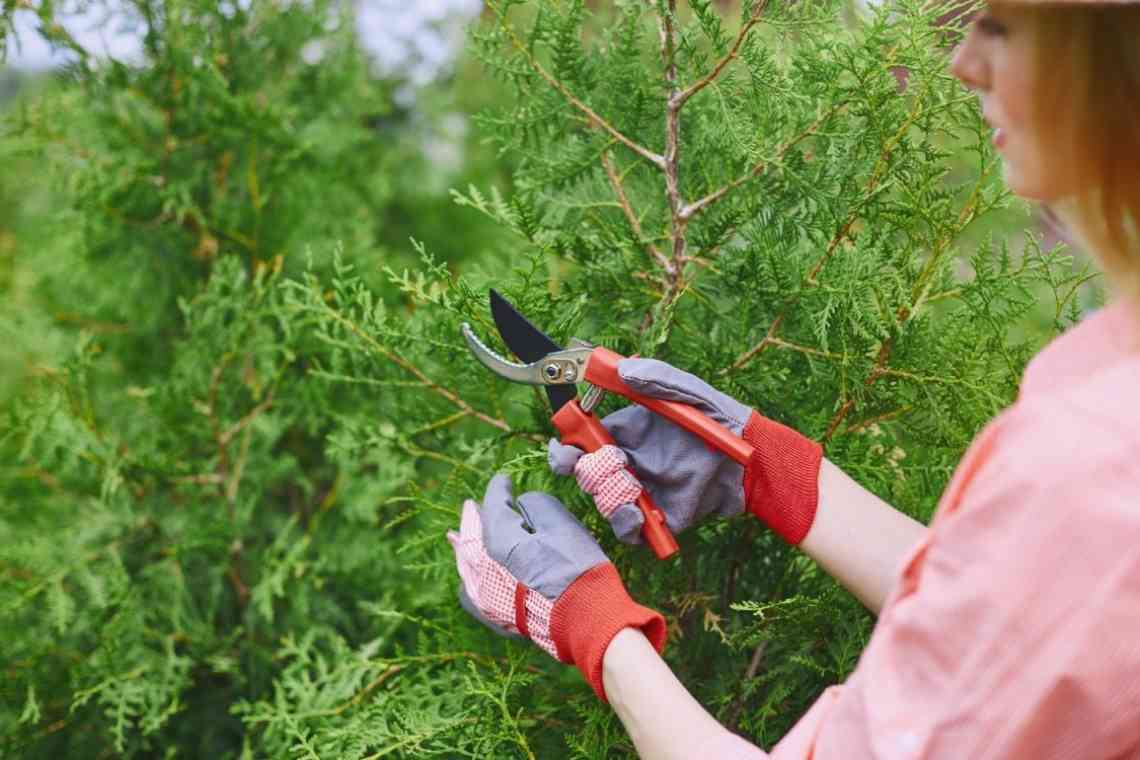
<point>852,533</point>
<point>537,573</point>
<point>688,480</point>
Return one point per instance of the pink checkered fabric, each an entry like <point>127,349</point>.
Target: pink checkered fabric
<point>492,588</point>
<point>605,475</point>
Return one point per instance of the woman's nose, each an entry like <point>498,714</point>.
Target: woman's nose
<point>968,64</point>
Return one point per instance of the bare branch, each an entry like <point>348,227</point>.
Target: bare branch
<point>707,79</point>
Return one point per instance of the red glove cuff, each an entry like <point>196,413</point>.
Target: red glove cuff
<point>781,480</point>
<point>590,612</point>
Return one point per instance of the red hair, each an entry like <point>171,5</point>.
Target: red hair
<point>1088,59</point>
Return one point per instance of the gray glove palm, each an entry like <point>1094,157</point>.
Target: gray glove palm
<point>688,480</point>
<point>529,569</point>
<point>534,537</point>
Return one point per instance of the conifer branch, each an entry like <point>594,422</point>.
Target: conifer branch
<point>880,369</point>
<point>692,209</point>
<point>627,209</point>
<point>415,371</point>
<point>841,235</point>
<point>591,115</point>
<point>680,212</point>
<point>876,372</point>
<point>707,79</point>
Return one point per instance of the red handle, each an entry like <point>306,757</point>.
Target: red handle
<point>582,429</point>
<point>602,371</point>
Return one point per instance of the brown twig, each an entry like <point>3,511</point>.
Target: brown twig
<point>239,465</point>
<point>734,711</point>
<point>372,686</point>
<point>241,424</point>
<point>779,343</point>
<point>885,417</point>
<point>758,349</point>
<point>876,372</point>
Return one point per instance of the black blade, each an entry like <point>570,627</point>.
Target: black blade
<point>528,343</point>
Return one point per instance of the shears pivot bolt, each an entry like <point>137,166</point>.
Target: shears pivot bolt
<point>560,372</point>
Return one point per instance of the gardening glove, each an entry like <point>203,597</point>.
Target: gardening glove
<point>686,478</point>
<point>537,573</point>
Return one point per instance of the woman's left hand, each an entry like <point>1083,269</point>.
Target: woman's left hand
<point>538,573</point>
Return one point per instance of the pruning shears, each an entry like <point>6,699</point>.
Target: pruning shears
<point>559,369</point>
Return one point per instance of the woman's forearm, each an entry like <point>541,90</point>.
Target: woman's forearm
<point>661,717</point>
<point>858,537</point>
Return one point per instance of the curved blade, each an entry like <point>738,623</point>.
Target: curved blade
<point>528,343</point>
<point>517,373</point>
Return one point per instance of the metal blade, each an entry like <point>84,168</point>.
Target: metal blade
<point>528,343</point>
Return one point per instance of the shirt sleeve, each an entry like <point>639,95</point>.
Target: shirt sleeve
<point>1012,630</point>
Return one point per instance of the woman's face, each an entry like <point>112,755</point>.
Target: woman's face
<point>996,59</point>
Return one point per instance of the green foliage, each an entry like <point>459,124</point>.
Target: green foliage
<point>231,465</point>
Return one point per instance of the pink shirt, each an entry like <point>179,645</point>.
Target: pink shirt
<point>1013,629</point>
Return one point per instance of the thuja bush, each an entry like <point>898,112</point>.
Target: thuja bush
<point>241,552</point>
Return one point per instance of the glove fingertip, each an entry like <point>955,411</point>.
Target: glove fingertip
<point>626,522</point>
<point>562,457</point>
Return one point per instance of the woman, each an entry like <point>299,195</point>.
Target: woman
<point>1007,629</point>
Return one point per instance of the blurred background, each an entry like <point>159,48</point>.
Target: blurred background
<point>397,123</point>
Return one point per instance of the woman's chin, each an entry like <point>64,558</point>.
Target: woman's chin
<point>1028,187</point>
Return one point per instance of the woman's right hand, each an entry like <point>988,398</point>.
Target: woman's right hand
<point>688,480</point>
